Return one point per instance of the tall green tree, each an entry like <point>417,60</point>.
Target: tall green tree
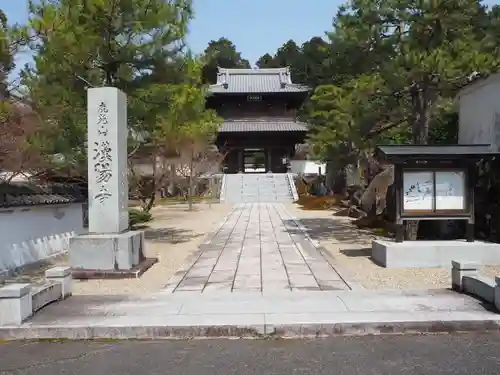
<point>189,127</point>
<point>315,54</point>
<point>129,44</point>
<point>6,65</point>
<point>221,53</point>
<point>180,138</point>
<point>305,62</point>
<point>6,58</point>
<point>18,123</point>
<point>422,50</point>
<point>435,49</point>
<point>290,55</point>
<point>265,61</point>
<point>491,29</point>
<point>340,118</point>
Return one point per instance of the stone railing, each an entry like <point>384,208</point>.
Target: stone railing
<point>222,192</point>
<point>18,302</point>
<point>465,278</point>
<point>292,187</point>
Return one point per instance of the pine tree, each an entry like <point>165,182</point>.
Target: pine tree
<point>133,45</point>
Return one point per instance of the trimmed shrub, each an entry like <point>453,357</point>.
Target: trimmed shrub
<point>136,216</point>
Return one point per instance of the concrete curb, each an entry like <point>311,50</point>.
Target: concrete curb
<point>380,328</point>
<point>80,332</point>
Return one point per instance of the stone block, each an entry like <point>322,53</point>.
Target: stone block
<point>62,275</point>
<point>420,254</point>
<point>459,269</point>
<point>465,265</point>
<point>41,296</point>
<point>480,286</point>
<point>120,251</point>
<point>496,296</point>
<point>15,303</point>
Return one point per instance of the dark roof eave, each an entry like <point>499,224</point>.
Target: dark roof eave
<point>262,126</point>
<point>263,131</point>
<point>302,91</point>
<point>28,195</point>
<point>434,152</point>
<point>62,202</point>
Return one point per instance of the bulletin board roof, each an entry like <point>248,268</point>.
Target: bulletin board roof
<point>400,153</point>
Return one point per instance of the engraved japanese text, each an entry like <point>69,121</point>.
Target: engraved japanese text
<point>102,155</point>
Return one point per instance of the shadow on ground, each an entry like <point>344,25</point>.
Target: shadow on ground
<point>354,253</point>
<point>357,242</point>
<point>170,235</point>
<point>328,229</point>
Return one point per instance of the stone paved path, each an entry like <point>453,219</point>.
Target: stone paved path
<point>258,247</point>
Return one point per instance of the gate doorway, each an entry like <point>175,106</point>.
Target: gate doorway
<point>254,160</point>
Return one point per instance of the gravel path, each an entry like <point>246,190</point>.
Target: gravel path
<point>351,249</point>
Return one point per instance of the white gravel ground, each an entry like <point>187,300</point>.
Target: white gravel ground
<point>351,249</point>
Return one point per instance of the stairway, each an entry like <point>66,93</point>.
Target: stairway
<point>258,187</point>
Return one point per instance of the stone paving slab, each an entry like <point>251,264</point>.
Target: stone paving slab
<point>258,246</point>
<point>254,314</point>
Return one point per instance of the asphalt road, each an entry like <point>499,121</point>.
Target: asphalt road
<point>457,354</point>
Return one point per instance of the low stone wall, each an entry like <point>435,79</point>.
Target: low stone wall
<point>31,234</point>
<point>425,254</point>
<point>18,302</point>
<point>465,278</point>
<point>307,167</point>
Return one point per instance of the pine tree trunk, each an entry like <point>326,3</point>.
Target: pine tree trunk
<point>422,101</point>
<point>352,173</point>
<point>330,174</point>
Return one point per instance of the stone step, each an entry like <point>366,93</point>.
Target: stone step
<point>258,188</point>
<point>264,192</point>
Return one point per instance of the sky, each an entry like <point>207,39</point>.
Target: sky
<point>256,27</point>
<point>260,26</point>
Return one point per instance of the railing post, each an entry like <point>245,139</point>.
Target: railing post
<point>15,303</point>
<point>62,275</point>
<point>459,270</point>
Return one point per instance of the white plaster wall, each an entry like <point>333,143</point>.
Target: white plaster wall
<point>307,167</point>
<point>479,112</point>
<point>30,234</point>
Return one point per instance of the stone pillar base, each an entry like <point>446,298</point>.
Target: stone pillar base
<point>460,269</point>
<point>15,303</point>
<point>496,293</point>
<point>113,251</point>
<point>62,275</point>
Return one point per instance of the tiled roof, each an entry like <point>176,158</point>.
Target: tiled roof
<point>25,194</point>
<point>262,126</point>
<point>255,81</point>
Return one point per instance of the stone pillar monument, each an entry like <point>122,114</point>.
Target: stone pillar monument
<point>109,245</point>
<point>107,160</point>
